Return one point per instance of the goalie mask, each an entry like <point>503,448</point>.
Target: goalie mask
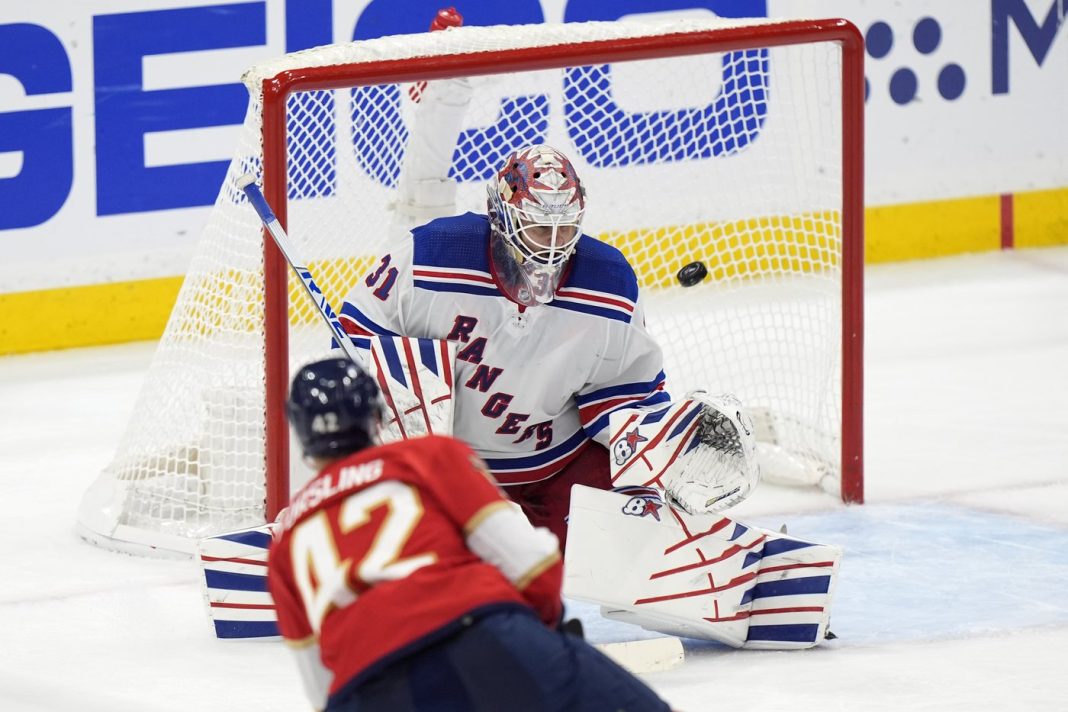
<point>334,408</point>
<point>536,204</point>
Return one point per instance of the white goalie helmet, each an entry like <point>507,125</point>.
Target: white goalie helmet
<point>536,205</point>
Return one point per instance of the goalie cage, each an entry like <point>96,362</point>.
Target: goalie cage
<point>735,143</point>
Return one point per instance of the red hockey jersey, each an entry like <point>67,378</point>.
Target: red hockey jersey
<point>388,545</point>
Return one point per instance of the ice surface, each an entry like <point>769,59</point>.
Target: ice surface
<point>954,585</point>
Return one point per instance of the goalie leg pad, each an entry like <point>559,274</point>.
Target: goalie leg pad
<point>698,576</point>
<point>234,583</point>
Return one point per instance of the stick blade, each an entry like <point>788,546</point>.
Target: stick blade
<point>642,656</point>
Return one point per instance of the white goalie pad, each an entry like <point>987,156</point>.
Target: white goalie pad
<point>416,380</point>
<point>697,576</point>
<point>700,451</point>
<point>234,583</point>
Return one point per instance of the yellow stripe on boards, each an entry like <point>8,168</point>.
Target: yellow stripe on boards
<point>335,278</point>
<point>733,250</point>
<point>137,310</point>
<point>86,316</point>
<point>1041,218</point>
<point>936,229</point>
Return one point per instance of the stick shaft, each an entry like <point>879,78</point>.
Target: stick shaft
<point>285,245</point>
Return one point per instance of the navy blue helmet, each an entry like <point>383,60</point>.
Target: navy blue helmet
<point>333,407</point>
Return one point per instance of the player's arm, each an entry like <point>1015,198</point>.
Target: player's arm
<point>632,377</point>
<point>297,632</point>
<point>529,557</point>
<point>498,532</point>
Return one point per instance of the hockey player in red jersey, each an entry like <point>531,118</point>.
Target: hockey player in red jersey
<point>404,580</point>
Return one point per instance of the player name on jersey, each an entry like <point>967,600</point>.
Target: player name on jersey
<point>325,487</point>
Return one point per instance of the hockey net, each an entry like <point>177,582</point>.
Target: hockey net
<point>737,144</point>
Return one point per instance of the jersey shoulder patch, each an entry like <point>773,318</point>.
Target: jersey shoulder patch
<point>601,283</point>
<point>452,255</point>
<point>457,242</point>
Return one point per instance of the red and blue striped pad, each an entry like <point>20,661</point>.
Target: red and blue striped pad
<point>415,377</point>
<point>235,583</point>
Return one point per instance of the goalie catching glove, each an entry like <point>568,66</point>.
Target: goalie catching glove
<point>701,451</point>
<point>718,468</point>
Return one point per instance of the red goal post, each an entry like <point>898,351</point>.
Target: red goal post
<point>770,251</point>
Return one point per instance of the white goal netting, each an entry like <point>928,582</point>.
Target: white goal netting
<point>732,158</point>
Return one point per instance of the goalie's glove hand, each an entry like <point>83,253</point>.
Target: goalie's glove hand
<point>704,498</point>
<point>721,470</point>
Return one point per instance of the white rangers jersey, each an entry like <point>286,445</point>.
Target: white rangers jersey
<point>533,385</point>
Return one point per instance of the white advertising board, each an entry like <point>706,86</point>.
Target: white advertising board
<point>117,118</point>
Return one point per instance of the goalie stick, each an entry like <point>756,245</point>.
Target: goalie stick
<point>642,656</point>
<point>406,381</point>
<point>247,184</point>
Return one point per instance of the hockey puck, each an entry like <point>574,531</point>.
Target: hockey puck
<point>692,274</point>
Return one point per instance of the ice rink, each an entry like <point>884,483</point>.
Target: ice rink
<point>954,584</point>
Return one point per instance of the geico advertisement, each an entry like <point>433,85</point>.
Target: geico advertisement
<point>118,119</point>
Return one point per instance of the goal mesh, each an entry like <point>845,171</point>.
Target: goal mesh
<point>730,153</point>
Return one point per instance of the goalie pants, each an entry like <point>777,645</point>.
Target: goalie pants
<point>547,502</point>
<point>506,660</point>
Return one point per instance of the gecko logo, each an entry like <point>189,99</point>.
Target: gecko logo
<point>745,421</point>
<point>904,84</point>
<point>722,111</point>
